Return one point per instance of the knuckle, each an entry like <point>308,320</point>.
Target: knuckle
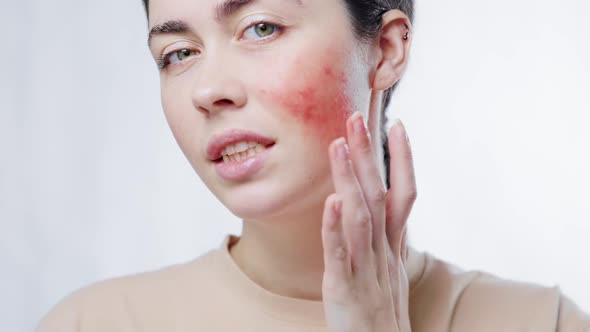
<point>340,253</point>
<point>365,146</point>
<point>363,219</point>
<point>411,195</point>
<point>378,195</point>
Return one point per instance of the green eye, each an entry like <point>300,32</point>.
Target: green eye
<point>263,29</point>
<point>175,57</point>
<point>184,54</point>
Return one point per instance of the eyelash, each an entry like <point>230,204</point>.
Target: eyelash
<point>163,61</point>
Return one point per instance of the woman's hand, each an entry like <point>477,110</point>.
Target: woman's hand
<point>365,285</point>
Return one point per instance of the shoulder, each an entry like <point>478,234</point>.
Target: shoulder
<point>571,317</point>
<point>116,303</point>
<point>467,300</point>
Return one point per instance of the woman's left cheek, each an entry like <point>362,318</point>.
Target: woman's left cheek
<point>315,95</point>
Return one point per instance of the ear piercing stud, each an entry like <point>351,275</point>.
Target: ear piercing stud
<point>406,35</point>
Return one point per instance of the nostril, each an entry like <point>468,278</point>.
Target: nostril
<point>223,102</point>
<point>217,105</point>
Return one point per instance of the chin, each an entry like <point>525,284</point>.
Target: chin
<point>281,201</point>
<point>256,205</point>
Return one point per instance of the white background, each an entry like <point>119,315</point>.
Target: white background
<point>92,184</point>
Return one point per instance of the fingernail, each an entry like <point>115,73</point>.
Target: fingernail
<point>338,207</point>
<point>401,130</point>
<point>342,149</point>
<point>359,124</point>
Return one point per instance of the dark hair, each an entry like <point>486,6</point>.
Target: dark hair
<point>366,21</point>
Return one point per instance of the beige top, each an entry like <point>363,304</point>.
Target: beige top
<point>211,294</point>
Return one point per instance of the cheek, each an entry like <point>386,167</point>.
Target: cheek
<point>315,94</point>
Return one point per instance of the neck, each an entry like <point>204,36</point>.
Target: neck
<point>285,255</point>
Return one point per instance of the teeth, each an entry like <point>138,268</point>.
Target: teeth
<point>241,147</point>
<point>240,151</point>
<point>235,148</point>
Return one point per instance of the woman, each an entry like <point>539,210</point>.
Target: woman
<point>279,107</point>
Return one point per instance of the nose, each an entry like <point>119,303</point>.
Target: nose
<point>217,87</point>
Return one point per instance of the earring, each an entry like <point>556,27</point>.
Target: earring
<point>406,35</point>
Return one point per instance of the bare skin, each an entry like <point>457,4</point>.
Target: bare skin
<point>365,284</point>
<point>299,85</point>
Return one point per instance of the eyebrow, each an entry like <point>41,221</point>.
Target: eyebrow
<point>223,10</point>
<point>168,27</point>
<point>229,7</point>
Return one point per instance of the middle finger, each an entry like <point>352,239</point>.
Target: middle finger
<point>367,172</point>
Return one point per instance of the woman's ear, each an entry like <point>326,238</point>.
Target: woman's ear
<point>392,48</point>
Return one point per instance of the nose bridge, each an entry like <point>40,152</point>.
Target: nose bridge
<point>217,84</point>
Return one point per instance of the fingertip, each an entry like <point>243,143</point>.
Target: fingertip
<point>399,147</point>
<point>336,204</point>
<point>352,120</point>
<point>338,141</point>
<point>353,117</point>
<point>333,148</point>
<point>332,212</point>
<point>339,150</point>
<point>398,131</point>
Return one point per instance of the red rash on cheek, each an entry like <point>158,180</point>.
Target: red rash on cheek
<point>317,98</point>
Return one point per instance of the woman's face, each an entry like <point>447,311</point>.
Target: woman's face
<point>291,71</point>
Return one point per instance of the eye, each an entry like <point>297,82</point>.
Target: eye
<point>175,57</point>
<point>261,30</point>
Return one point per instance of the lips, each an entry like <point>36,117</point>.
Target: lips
<point>219,142</point>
